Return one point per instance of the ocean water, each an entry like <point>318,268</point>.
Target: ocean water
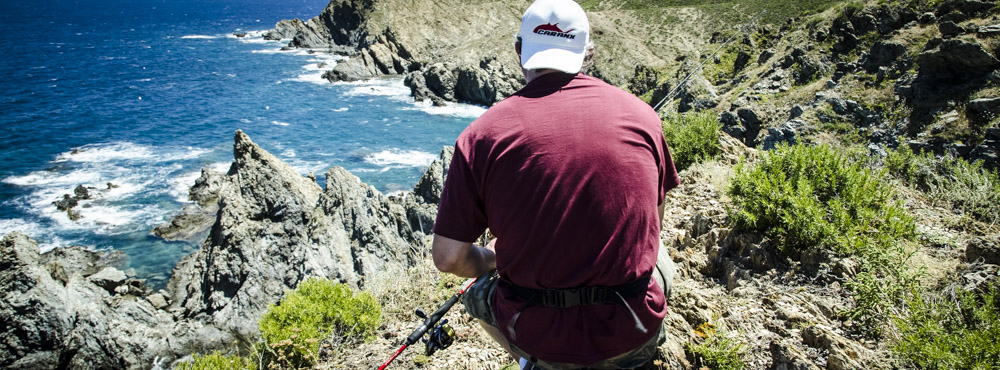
<point>144,93</point>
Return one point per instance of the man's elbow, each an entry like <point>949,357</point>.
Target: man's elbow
<point>445,263</point>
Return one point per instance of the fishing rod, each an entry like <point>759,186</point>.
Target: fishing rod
<point>442,335</point>
<point>673,92</point>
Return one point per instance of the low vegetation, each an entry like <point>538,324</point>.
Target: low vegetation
<point>716,349</point>
<point>692,138</point>
<point>317,312</point>
<point>955,330</point>
<point>965,187</point>
<point>820,197</point>
<point>216,361</point>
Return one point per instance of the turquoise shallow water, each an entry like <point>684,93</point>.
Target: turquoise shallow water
<point>143,94</point>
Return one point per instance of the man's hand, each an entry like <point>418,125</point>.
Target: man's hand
<point>462,258</point>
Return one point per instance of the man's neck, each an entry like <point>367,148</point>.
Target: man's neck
<point>531,74</point>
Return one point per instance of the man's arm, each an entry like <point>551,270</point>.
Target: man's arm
<point>461,258</point>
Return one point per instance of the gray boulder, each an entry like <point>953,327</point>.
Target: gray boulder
<point>985,249</point>
<point>956,60</point>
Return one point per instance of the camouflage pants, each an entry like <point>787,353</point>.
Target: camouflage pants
<point>478,299</point>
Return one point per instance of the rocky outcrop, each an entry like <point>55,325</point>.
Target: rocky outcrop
<point>194,220</point>
<point>61,309</point>
<point>284,30</point>
<point>276,227</point>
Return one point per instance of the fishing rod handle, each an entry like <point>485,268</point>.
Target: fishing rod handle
<point>432,320</point>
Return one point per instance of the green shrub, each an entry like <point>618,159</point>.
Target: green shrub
<point>819,197</point>
<point>951,332</point>
<point>717,350</point>
<point>314,311</point>
<point>966,187</point>
<point>692,137</point>
<point>216,361</point>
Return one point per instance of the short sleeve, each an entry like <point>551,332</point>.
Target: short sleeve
<point>669,178</point>
<point>461,213</point>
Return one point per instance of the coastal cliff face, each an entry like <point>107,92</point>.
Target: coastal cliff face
<point>462,51</point>
<point>273,228</point>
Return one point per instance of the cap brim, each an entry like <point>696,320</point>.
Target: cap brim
<point>550,57</point>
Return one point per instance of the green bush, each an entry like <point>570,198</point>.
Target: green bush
<point>951,332</point>
<point>966,187</point>
<point>216,361</point>
<point>819,197</point>
<point>717,350</point>
<point>692,137</point>
<point>314,311</point>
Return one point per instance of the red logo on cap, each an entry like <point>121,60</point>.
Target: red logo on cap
<point>550,29</point>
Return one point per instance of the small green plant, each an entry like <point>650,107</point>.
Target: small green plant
<point>957,331</point>
<point>692,137</point>
<point>966,187</point>
<point>820,197</point>
<point>216,361</point>
<point>316,310</point>
<point>717,349</point>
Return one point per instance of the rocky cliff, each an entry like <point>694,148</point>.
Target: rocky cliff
<point>273,228</point>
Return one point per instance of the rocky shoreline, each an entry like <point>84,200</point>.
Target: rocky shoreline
<point>272,228</point>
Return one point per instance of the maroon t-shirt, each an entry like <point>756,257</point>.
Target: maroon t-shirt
<point>567,173</point>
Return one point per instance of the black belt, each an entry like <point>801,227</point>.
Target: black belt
<point>572,297</point>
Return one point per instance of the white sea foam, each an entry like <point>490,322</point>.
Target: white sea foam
<point>451,109</point>
<point>394,89</point>
<point>199,37</point>
<point>343,109</point>
<point>279,123</point>
<point>106,152</point>
<point>400,158</point>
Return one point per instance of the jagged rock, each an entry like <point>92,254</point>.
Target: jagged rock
<point>108,278</point>
<point>276,227</point>
<point>49,324</point>
<point>985,249</point>
<point>765,56</point>
<point>81,193</point>
<point>796,112</point>
<point>983,110</point>
<point>988,31</point>
<point>742,59</point>
<point>956,60</point>
<point>66,203</point>
<point>843,354</point>
<point>950,29</point>
<point>928,18</point>
<point>360,67</point>
<point>486,84</point>
<point>882,54</point>
<point>989,150</point>
<point>339,24</point>
<point>205,191</point>
<point>193,221</point>
<point>431,184</point>
<point>787,356</point>
<point>752,123</point>
<point>285,29</point>
<point>786,133</point>
<point>190,224</point>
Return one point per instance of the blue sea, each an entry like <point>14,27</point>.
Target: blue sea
<point>144,93</point>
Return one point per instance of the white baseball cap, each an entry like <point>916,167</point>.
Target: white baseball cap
<point>554,34</point>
